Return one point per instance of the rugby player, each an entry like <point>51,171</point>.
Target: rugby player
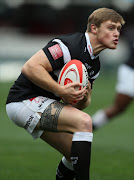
<point>34,102</point>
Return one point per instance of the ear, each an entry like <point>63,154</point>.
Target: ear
<point>93,28</point>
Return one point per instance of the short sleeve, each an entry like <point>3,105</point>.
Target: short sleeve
<point>54,54</point>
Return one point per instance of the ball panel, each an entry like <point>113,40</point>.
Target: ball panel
<point>73,66</point>
<point>67,80</point>
<point>70,72</point>
<point>73,71</point>
<point>65,68</point>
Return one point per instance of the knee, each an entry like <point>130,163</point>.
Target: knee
<point>85,123</point>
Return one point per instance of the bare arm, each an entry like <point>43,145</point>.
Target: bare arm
<point>36,70</point>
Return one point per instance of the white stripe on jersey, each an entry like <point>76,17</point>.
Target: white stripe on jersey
<point>89,47</point>
<point>65,50</point>
<point>94,77</point>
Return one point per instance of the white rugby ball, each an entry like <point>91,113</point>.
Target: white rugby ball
<point>73,71</point>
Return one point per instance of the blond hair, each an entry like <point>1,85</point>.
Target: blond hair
<point>102,15</point>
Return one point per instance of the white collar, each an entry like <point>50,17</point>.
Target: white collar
<point>89,47</point>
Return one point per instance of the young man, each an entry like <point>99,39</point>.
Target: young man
<point>124,92</point>
<point>34,104</point>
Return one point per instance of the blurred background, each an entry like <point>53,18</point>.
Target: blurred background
<point>27,25</point>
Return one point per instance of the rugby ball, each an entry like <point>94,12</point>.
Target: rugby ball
<point>73,71</point>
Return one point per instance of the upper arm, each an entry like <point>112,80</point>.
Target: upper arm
<point>37,60</point>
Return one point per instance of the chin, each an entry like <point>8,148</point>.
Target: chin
<point>112,47</point>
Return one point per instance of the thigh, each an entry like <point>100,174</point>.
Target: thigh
<point>58,117</point>
<point>72,120</point>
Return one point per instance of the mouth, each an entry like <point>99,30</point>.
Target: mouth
<point>116,41</point>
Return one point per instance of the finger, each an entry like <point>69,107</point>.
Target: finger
<point>80,98</point>
<point>89,87</point>
<point>81,92</point>
<point>76,100</point>
<point>76,84</point>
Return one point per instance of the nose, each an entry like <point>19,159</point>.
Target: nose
<point>116,33</point>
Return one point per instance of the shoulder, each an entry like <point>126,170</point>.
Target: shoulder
<point>73,39</point>
<point>74,43</point>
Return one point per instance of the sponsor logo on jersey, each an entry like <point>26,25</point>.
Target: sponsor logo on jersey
<point>90,49</point>
<point>91,73</point>
<point>55,51</point>
<point>88,66</point>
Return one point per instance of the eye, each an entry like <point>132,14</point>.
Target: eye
<point>119,29</point>
<point>111,27</point>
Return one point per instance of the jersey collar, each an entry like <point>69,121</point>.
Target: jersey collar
<point>89,47</point>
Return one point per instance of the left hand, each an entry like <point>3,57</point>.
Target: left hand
<point>82,104</point>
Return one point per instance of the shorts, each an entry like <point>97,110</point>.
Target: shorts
<point>25,114</point>
<point>125,81</point>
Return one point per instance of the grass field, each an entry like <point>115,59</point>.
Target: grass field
<point>23,158</point>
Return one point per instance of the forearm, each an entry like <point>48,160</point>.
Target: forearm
<point>85,102</point>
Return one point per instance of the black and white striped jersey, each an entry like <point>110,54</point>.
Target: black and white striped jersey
<point>72,46</point>
<point>59,51</point>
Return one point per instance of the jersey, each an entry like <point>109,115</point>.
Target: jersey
<point>59,51</point>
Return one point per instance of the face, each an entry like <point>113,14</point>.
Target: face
<point>108,34</point>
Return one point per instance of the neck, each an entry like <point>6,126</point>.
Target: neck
<point>97,47</point>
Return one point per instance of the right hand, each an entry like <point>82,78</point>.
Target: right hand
<point>70,95</point>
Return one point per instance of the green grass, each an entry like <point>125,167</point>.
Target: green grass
<point>21,157</point>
